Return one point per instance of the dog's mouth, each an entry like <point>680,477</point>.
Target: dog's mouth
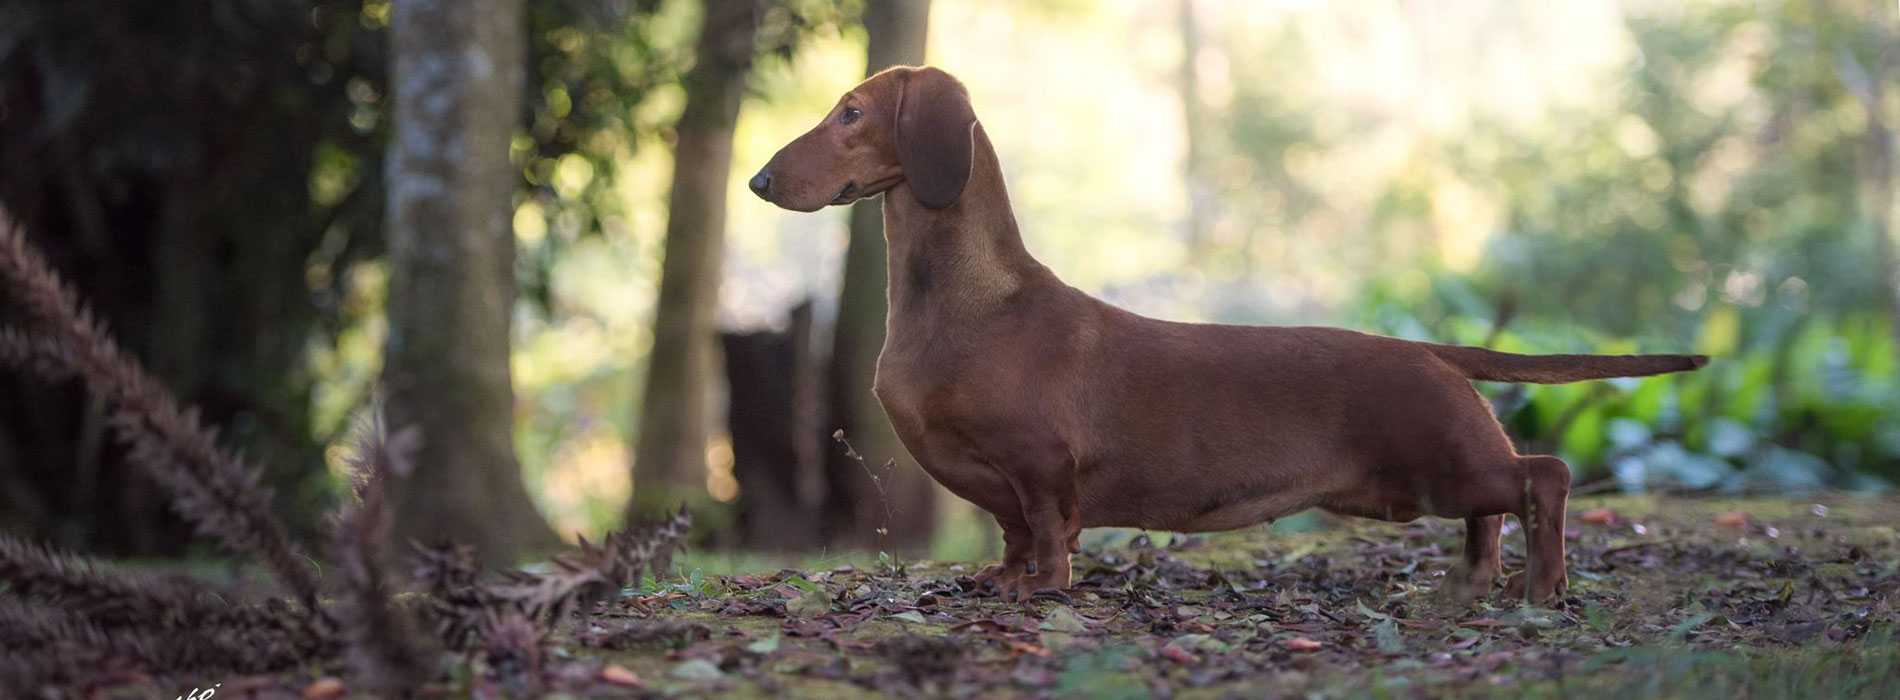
<point>853,191</point>
<point>846,195</point>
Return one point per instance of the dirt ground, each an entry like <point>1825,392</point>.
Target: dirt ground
<point>1668,598</point>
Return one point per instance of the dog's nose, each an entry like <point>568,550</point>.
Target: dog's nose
<point>761,183</point>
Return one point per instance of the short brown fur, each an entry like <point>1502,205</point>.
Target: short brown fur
<point>1054,411</point>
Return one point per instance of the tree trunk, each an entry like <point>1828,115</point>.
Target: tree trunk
<point>1868,83</point>
<point>682,376</point>
<point>897,29</point>
<point>1879,179</point>
<point>1192,166</point>
<point>457,77</point>
<point>776,455</point>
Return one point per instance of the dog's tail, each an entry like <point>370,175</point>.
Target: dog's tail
<point>1493,366</point>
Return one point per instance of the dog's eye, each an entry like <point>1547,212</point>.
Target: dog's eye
<point>851,114</point>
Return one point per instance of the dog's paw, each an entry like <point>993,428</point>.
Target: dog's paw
<point>1541,593</point>
<point>1044,581</point>
<point>1465,585</point>
<point>997,578</point>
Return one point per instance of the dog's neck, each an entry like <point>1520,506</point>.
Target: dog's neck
<point>961,260</point>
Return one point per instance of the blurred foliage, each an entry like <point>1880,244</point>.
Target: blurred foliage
<point>1717,207</point>
<point>608,78</point>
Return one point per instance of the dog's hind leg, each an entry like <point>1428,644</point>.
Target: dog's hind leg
<point>1546,487</point>
<point>1536,489</point>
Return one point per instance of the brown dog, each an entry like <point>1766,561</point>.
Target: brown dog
<point>1055,411</point>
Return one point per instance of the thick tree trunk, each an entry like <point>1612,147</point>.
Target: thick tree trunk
<point>682,378</point>
<point>898,30</point>
<point>457,81</point>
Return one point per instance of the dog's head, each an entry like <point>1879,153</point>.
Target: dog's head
<point>903,125</point>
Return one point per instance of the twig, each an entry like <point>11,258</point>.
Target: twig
<point>883,497</point>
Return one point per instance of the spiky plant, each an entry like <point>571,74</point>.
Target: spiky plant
<point>221,495</point>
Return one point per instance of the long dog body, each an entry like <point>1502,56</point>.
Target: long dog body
<point>1055,411</point>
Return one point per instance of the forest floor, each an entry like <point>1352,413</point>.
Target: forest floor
<point>1668,597</point>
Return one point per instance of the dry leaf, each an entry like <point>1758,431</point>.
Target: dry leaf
<point>1179,655</point>
<point>1598,516</point>
<point>620,675</point>
<point>1301,644</point>
<point>324,689</point>
<point>1027,648</point>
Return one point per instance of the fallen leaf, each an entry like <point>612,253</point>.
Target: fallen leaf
<point>1386,635</point>
<point>1062,619</point>
<point>910,616</point>
<point>1027,648</point>
<point>809,604</point>
<point>697,670</point>
<point>763,646</point>
<point>1179,655</point>
<point>617,674</point>
<point>1598,516</point>
<point>1734,519</point>
<point>1301,644</point>
<point>1369,612</point>
<point>1683,628</point>
<point>324,689</point>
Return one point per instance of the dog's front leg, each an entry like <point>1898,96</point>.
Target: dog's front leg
<point>1048,498</point>
<point>1006,575</point>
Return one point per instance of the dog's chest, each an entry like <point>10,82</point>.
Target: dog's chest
<point>915,378</point>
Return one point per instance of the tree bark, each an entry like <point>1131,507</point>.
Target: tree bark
<point>676,413</point>
<point>457,79</point>
<point>898,30</point>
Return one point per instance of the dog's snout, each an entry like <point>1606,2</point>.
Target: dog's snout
<point>761,183</point>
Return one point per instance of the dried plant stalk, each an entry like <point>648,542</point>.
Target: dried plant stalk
<point>386,655</point>
<point>463,608</point>
<point>215,490</point>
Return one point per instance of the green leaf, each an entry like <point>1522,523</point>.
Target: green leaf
<point>1386,634</point>
<point>917,617</point>
<point>697,670</point>
<point>1062,619</point>
<point>763,646</point>
<point>1682,629</point>
<point>811,604</point>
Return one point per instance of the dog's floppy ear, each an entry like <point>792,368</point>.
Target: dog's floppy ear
<point>935,136</point>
